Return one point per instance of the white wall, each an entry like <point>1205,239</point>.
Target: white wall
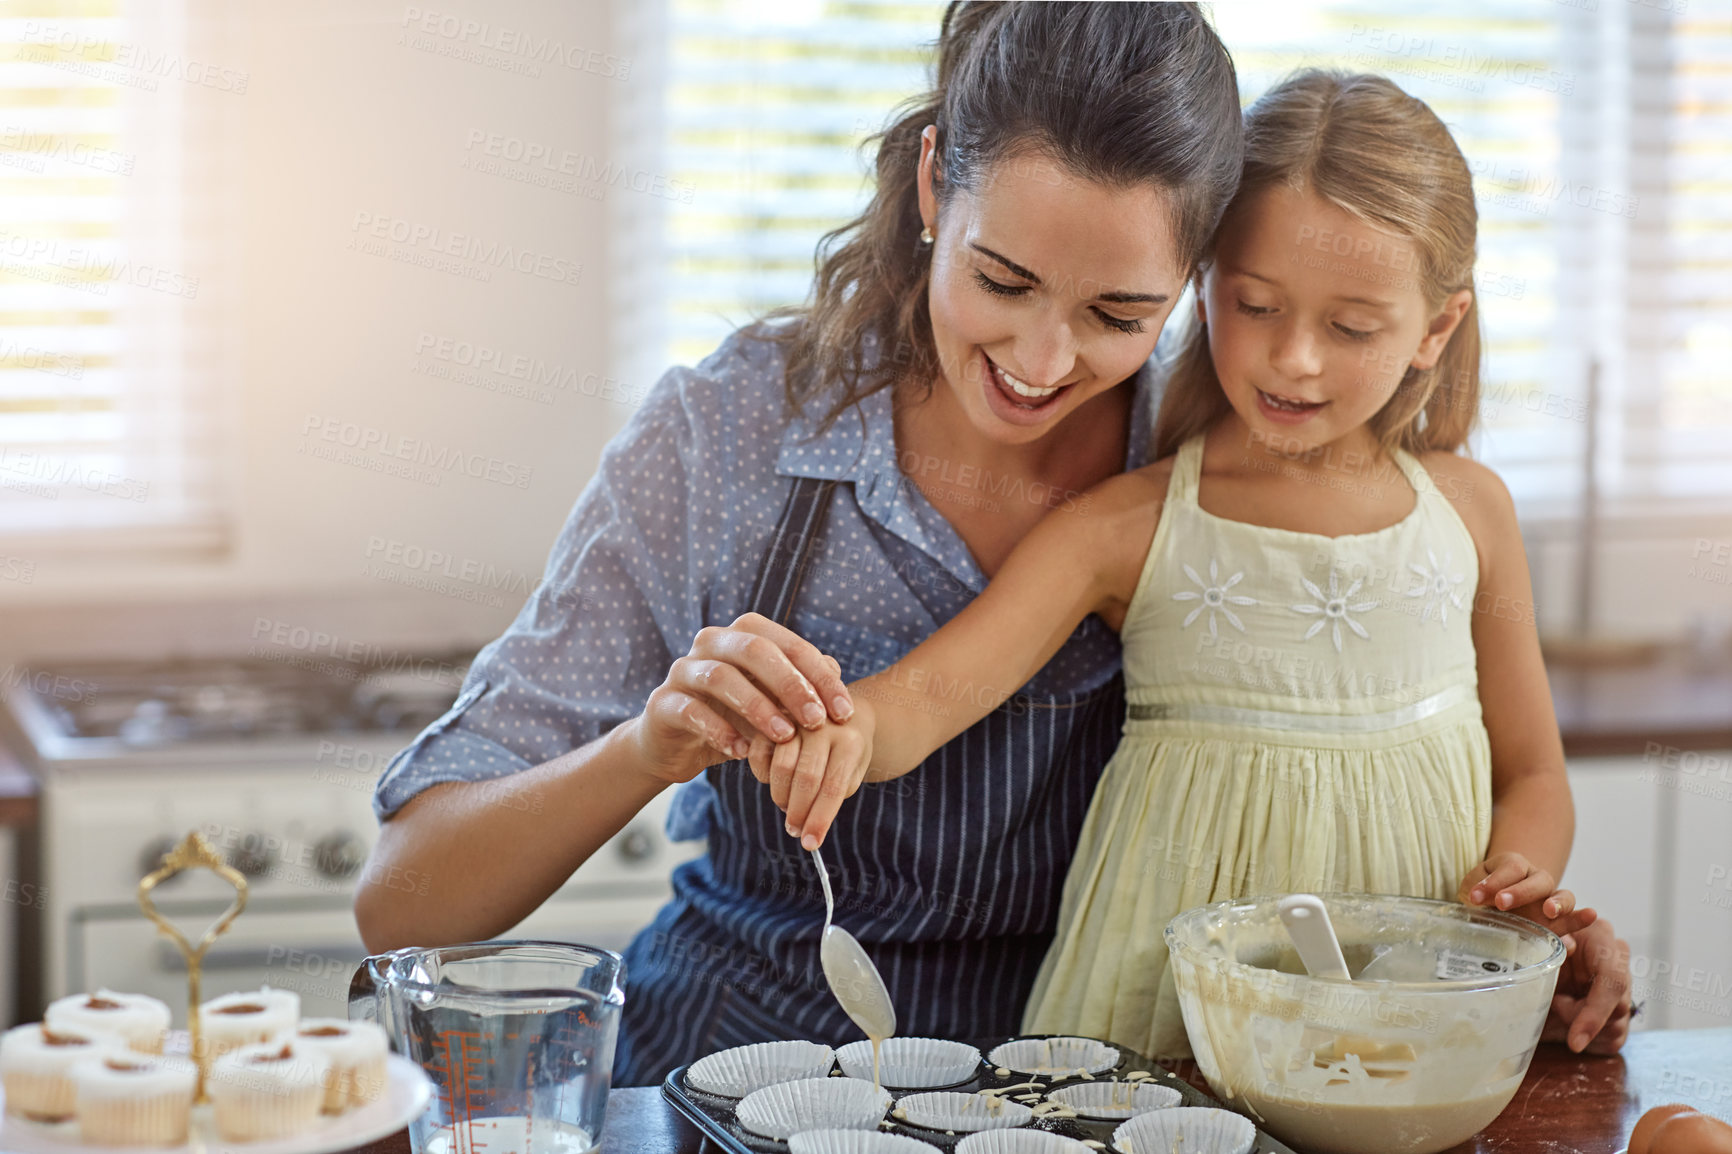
<point>347,111</point>
<point>342,117</point>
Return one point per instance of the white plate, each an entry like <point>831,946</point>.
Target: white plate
<point>407,1092</point>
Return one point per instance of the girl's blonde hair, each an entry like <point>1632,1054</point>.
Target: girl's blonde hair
<point>1370,149</point>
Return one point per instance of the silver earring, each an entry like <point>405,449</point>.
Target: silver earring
<point>925,236</point>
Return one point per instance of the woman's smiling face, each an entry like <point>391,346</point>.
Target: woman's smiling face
<point>1047,289</point>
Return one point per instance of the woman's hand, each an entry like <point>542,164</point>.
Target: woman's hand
<point>1591,1009</point>
<point>811,775</point>
<point>739,682</point>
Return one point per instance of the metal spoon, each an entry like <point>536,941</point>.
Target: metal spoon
<point>853,978</point>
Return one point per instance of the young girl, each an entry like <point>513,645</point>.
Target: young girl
<point>1332,672</point>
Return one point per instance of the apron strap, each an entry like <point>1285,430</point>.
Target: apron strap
<point>789,556</point>
<point>780,574</point>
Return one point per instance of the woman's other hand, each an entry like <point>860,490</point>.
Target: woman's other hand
<point>1591,1009</point>
<point>738,681</point>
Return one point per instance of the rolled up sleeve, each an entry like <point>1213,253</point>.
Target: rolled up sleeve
<point>623,594</point>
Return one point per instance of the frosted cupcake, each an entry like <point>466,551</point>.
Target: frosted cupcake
<point>236,1020</point>
<point>139,1019</point>
<point>129,1099</point>
<point>34,1066</point>
<point>268,1090</point>
<point>356,1051</point>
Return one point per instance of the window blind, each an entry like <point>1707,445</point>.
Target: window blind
<point>109,406</point>
<point>1679,294</point>
<point>1597,134</point>
<point>767,104</point>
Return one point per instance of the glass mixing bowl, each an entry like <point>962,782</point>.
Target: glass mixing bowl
<point>1415,1061</point>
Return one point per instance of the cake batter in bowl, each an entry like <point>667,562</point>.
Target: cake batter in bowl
<point>1422,1056</point>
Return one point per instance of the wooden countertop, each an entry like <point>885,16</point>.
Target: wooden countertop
<point>1613,711</point>
<point>1568,1104</point>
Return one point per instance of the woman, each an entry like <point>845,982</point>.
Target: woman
<point>975,353</point>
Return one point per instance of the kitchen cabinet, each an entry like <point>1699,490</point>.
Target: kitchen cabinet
<point>1653,853</point>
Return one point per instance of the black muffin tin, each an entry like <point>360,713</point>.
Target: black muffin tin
<point>714,1115</point>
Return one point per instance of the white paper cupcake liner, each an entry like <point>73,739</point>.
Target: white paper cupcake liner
<point>787,1108</point>
<point>963,1113</point>
<point>1055,1057</point>
<point>912,1063</point>
<point>855,1142</point>
<point>1204,1131</point>
<point>1020,1142</point>
<point>1116,1100</point>
<point>738,1072</point>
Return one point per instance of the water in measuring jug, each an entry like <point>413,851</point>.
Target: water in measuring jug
<point>517,1038</point>
<point>521,1081</point>
<point>510,1135</point>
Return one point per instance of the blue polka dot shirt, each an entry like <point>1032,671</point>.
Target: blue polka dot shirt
<point>667,538</point>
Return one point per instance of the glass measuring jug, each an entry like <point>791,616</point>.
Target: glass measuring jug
<point>517,1037</point>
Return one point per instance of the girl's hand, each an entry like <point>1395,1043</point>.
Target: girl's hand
<point>1509,882</point>
<point>738,682</point>
<point>812,774</point>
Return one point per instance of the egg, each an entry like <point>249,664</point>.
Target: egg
<point>1679,1129</point>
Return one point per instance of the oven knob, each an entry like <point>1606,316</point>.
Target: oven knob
<point>636,844</point>
<point>249,857</point>
<point>150,860</point>
<point>339,855</point>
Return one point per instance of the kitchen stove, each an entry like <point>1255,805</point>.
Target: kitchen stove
<point>274,762</point>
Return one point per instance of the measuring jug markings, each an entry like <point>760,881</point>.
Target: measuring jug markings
<point>461,1069</point>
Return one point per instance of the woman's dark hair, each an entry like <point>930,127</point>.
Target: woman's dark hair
<point>1123,94</point>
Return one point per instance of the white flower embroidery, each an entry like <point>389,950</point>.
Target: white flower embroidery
<point>1214,597</point>
<point>1437,586</point>
<point>1332,610</point>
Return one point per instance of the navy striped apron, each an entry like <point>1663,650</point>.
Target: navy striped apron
<point>950,876</point>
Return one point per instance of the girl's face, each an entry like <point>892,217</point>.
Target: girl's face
<point>1046,290</point>
<point>1315,316</point>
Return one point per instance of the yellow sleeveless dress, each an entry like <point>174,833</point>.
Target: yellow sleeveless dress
<point>1303,716</point>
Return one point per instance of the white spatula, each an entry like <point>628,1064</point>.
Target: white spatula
<point>1308,925</point>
